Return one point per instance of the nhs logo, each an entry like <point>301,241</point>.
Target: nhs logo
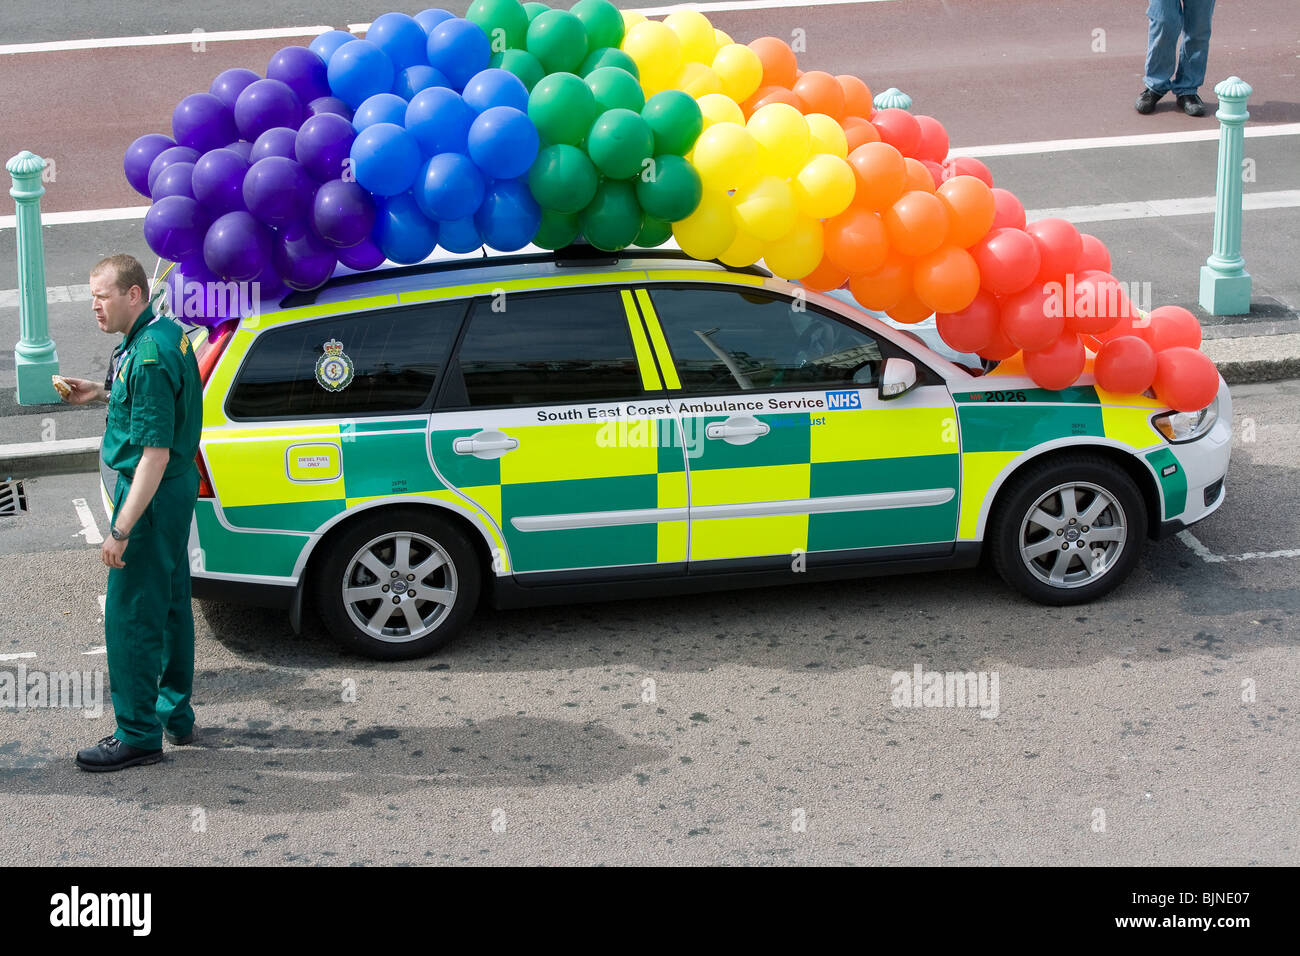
<point>843,400</point>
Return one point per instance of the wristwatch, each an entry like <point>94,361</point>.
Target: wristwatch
<point>118,535</point>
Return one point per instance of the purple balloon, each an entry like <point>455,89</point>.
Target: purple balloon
<point>343,213</point>
<point>401,37</point>
<point>365,255</point>
<point>278,191</point>
<point>201,121</point>
<point>140,156</point>
<point>303,261</point>
<point>302,70</point>
<point>269,286</point>
<point>264,105</point>
<point>219,181</point>
<point>200,296</point>
<point>237,247</point>
<point>415,78</point>
<point>323,145</point>
<point>241,146</point>
<point>229,84</point>
<point>329,104</point>
<point>176,180</point>
<point>174,227</point>
<point>176,154</point>
<point>277,141</point>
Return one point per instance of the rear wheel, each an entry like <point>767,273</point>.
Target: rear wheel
<point>398,584</point>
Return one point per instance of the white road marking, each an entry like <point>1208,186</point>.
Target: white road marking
<point>88,526</point>
<point>26,655</point>
<point>53,294</point>
<point>163,39</point>
<point>1110,142</point>
<point>1208,556</point>
<point>94,651</point>
<point>80,216</point>
<point>1161,208</point>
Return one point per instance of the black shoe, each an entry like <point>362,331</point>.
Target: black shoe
<point>179,741</point>
<point>111,754</point>
<point>1147,100</point>
<point>1191,104</point>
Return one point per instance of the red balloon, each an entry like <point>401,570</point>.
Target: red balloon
<point>1008,260</point>
<point>972,329</point>
<point>1094,302</point>
<point>934,140</point>
<point>1173,325</point>
<point>1000,348</point>
<point>1058,247</point>
<point>1186,380</point>
<point>1028,321</point>
<point>1010,212</point>
<point>1057,366</point>
<point>899,129</point>
<point>1094,254</point>
<point>969,166</point>
<point>935,170</point>
<point>1125,365</point>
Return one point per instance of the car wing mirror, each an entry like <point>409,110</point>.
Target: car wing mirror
<point>898,377</point>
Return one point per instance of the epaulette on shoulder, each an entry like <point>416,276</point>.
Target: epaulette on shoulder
<point>148,352</point>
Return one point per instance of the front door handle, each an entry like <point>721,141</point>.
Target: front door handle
<point>485,444</point>
<point>737,430</point>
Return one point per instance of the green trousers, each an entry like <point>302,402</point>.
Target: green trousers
<point>148,619</point>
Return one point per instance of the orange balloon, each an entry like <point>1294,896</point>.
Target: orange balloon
<point>772,94</point>
<point>884,288</point>
<point>918,176</point>
<point>857,96</point>
<point>971,209</point>
<point>1059,365</point>
<point>1125,365</point>
<point>972,328</point>
<point>880,172</point>
<point>779,64</point>
<point>856,241</point>
<point>947,280</point>
<point>858,135</point>
<point>822,92</point>
<point>825,277</point>
<point>1173,325</point>
<point>1186,380</point>
<point>917,223</point>
<point>910,310</point>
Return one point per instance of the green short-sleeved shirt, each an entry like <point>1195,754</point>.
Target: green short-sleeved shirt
<point>156,399</point>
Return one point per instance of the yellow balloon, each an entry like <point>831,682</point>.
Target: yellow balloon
<point>827,135</point>
<point>709,231</point>
<point>696,33</point>
<point>720,38</point>
<point>796,253</point>
<point>720,108</point>
<point>726,157</point>
<point>630,19</point>
<point>740,70</point>
<point>744,251</point>
<point>697,80</point>
<point>657,53</point>
<point>782,135</point>
<point>824,187</point>
<point>766,210</point>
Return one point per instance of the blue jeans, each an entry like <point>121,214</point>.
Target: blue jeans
<point>1182,26</point>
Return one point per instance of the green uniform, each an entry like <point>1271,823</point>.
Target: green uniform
<point>156,400</point>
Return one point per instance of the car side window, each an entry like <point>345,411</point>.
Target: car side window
<point>547,349</point>
<point>377,362</point>
<point>737,340</point>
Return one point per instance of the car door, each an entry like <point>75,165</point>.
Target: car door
<point>792,455</point>
<point>555,422</point>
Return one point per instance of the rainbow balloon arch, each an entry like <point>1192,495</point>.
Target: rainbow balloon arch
<point>522,124</point>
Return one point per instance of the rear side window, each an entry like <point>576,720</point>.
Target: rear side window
<point>395,358</point>
<point>547,349</point>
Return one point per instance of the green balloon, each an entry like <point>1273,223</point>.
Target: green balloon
<point>616,89</point>
<point>613,219</point>
<point>676,120</point>
<point>603,22</point>
<point>562,179</point>
<point>557,229</point>
<point>619,144</point>
<point>670,189</point>
<point>505,15</point>
<point>609,56</point>
<point>654,232</point>
<point>562,108</point>
<point>533,9</point>
<point>559,40</point>
<point>522,64</point>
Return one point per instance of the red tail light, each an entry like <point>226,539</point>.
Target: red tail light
<point>205,483</point>
<point>207,356</point>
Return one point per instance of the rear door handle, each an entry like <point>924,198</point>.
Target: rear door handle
<point>737,430</point>
<point>485,444</point>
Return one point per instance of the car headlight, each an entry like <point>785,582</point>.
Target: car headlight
<point>1178,427</point>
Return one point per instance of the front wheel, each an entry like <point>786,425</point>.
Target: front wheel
<point>1069,530</point>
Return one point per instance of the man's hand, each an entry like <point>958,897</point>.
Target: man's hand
<point>84,391</point>
<point>111,552</point>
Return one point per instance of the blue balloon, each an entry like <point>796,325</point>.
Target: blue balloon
<point>503,142</point>
<point>459,49</point>
<point>277,141</point>
<point>428,19</point>
<point>325,44</point>
<point>496,87</point>
<point>401,231</point>
<point>359,69</point>
<point>380,108</point>
<point>509,216</point>
<point>450,187</point>
<point>385,159</point>
<point>459,235</point>
<point>415,78</point>
<point>439,120</point>
<point>400,37</point>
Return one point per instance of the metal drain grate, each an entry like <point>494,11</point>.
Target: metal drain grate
<point>13,500</point>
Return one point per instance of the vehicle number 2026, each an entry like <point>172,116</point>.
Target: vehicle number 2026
<point>1005,397</point>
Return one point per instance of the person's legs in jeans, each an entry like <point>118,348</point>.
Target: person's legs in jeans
<point>1166,26</point>
<point>1194,50</point>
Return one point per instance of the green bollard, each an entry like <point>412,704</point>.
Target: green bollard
<point>35,359</point>
<point>1225,283</point>
<point>892,99</point>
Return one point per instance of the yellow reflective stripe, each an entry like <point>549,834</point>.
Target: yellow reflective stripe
<point>657,337</point>
<point>318,311</point>
<point>703,275</point>
<point>465,290</point>
<point>644,360</point>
